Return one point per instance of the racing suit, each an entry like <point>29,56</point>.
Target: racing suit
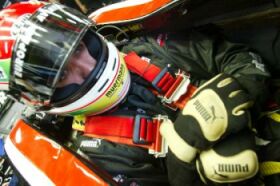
<point>203,57</point>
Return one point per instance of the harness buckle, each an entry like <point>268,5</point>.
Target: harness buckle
<point>161,147</point>
<point>179,88</point>
<point>157,144</point>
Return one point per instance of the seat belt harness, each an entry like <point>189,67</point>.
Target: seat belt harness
<point>173,91</point>
<point>142,130</point>
<point>139,130</point>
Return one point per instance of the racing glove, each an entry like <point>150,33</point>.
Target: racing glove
<point>217,108</point>
<point>230,161</point>
<point>182,173</point>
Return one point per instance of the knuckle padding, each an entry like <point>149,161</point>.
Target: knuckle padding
<point>181,172</point>
<point>188,129</point>
<point>245,141</point>
<point>240,98</point>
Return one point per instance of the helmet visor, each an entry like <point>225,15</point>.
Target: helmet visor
<point>82,69</point>
<point>46,41</point>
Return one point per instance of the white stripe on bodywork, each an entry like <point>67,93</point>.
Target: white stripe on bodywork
<point>27,169</point>
<point>108,8</point>
<point>122,4</point>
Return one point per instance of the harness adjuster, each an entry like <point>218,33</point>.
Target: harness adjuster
<point>157,144</point>
<point>159,77</point>
<point>179,88</point>
<point>139,128</point>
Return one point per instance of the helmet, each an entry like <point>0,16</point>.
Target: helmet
<point>61,65</point>
<point>10,19</point>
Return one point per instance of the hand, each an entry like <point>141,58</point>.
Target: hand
<point>217,109</point>
<point>231,160</point>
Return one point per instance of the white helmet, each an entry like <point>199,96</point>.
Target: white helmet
<point>43,52</point>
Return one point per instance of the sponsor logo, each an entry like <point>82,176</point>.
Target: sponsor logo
<point>231,168</point>
<point>21,50</point>
<point>44,12</point>
<point>18,24</point>
<point>202,110</point>
<point>118,82</point>
<point>27,36</point>
<point>119,178</point>
<point>215,117</point>
<point>205,114</point>
<point>91,143</point>
<point>20,53</point>
<point>257,61</point>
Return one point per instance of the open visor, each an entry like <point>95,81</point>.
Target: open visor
<point>82,69</point>
<point>45,44</point>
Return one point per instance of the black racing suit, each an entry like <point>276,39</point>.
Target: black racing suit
<point>203,57</point>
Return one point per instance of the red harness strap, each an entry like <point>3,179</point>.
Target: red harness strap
<point>175,92</point>
<point>141,130</point>
<point>149,71</point>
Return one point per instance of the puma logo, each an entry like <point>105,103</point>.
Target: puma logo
<point>230,168</point>
<point>202,110</point>
<point>205,114</point>
<point>212,108</point>
<point>227,170</point>
<point>93,143</point>
<point>221,175</point>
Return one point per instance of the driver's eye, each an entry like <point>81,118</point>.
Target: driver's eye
<point>63,75</point>
<point>78,49</point>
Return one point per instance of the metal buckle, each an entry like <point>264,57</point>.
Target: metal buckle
<point>136,131</point>
<point>137,140</point>
<point>180,90</point>
<point>164,146</point>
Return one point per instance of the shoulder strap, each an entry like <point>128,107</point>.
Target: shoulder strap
<point>143,130</point>
<point>173,91</point>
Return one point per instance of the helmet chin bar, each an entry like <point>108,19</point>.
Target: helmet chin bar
<point>110,89</point>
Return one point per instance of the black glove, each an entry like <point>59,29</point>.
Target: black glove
<point>232,160</point>
<point>217,109</point>
<point>182,173</point>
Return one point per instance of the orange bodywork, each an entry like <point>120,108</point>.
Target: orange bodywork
<point>59,165</point>
<point>128,10</point>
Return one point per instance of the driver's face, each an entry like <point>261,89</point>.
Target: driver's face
<point>78,68</point>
